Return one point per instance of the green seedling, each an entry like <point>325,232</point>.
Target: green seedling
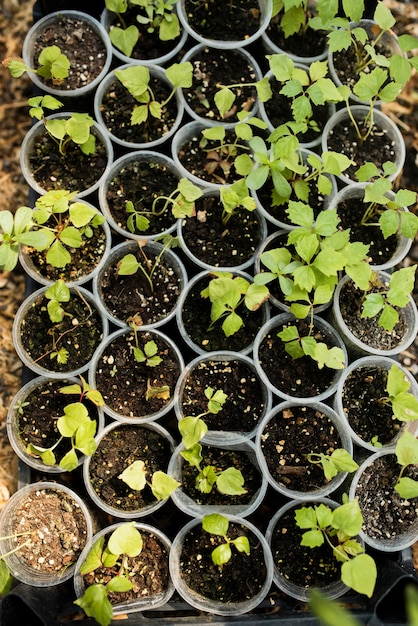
<point>339,460</point>
<point>280,160</point>
<point>225,97</point>
<point>124,543</point>
<point>181,201</point>
<point>406,454</point>
<point>216,524</point>
<point>227,151</point>
<point>56,225</point>
<point>297,346</point>
<point>385,301</point>
<point>136,79</point>
<point>52,64</point>
<point>38,104</point>
<point>227,293</point>
<point>307,268</point>
<point>150,357</point>
<point>130,265</point>
<point>343,35</point>
<point>65,223</point>
<point>338,528</point>
<point>75,425</point>
<point>305,89</point>
<point>192,429</point>
<point>385,207</point>
<point>58,294</point>
<point>235,197</point>
<point>72,130</point>
<point>161,485</point>
<point>404,404</point>
<point>158,16</point>
<point>16,230</point>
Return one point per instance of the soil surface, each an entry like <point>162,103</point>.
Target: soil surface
<point>386,515</point>
<point>79,333</point>
<point>237,21</point>
<point>212,69</point>
<point>370,418</point>
<point>217,241</point>
<point>59,530</point>
<point>300,377</point>
<point>149,295</point>
<point>128,184</point>
<point>75,171</point>
<point>367,329</point>
<point>376,146</point>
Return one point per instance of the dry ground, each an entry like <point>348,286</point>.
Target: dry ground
<point>15,20</point>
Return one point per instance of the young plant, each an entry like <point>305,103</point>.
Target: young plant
<point>343,35</point>
<point>16,230</point>
<point>150,357</point>
<point>298,346</point>
<point>384,301</point>
<point>305,89</point>
<point>235,197</point>
<point>307,268</point>
<point>384,206</point>
<point>225,97</point>
<point>226,153</point>
<point>58,294</point>
<point>161,485</point>
<point>281,161</point>
<point>404,404</point>
<point>64,131</point>
<point>75,425</point>
<point>338,528</point>
<point>123,544</point>
<point>293,17</point>
<point>158,16</point>
<point>192,429</point>
<point>136,79</point>
<point>216,524</point>
<point>129,264</point>
<point>227,293</point>
<point>181,201</point>
<point>52,64</point>
<point>64,223</point>
<point>338,461</point>
<point>406,454</point>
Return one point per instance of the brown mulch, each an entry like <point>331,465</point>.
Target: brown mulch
<point>15,20</point>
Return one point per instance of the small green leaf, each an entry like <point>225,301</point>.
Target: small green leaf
<point>360,573</point>
<point>221,554</point>
<point>95,603</point>
<point>231,482</point>
<point>118,584</point>
<point>135,475</point>
<point>215,524</point>
<point>125,539</point>
<point>94,557</point>
<point>407,488</point>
